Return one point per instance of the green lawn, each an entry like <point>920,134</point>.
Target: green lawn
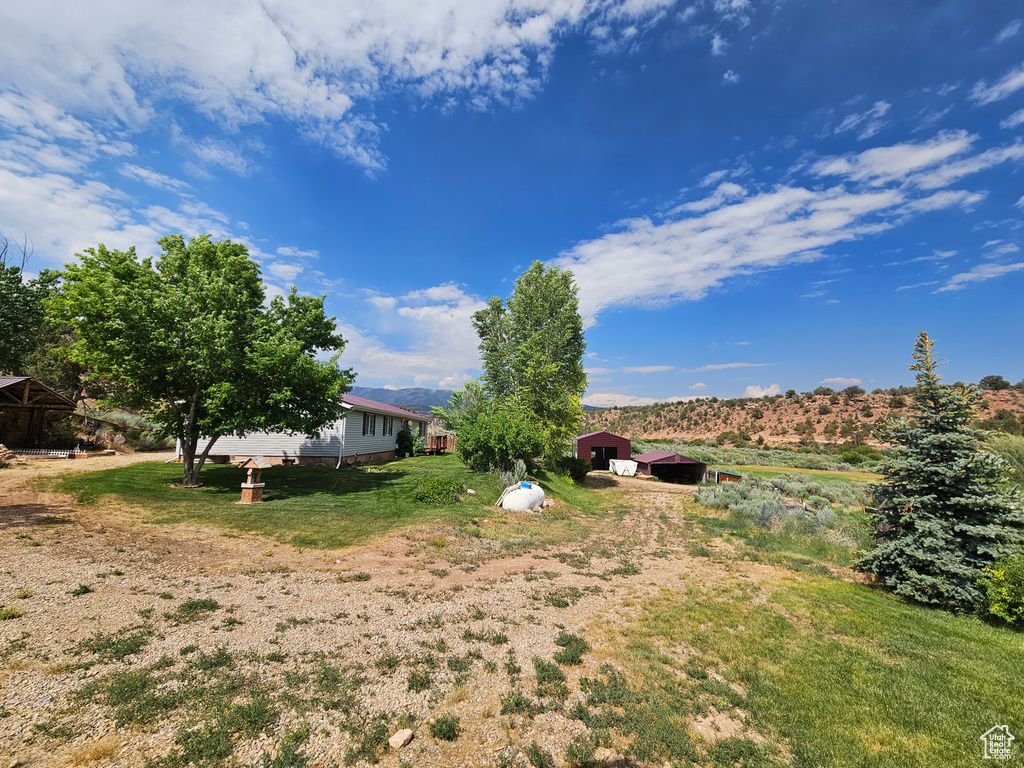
<point>315,507</point>
<point>834,673</point>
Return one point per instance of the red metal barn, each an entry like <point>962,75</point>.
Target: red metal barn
<point>597,448</point>
<point>671,467</point>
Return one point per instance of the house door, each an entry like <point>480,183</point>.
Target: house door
<point>600,455</point>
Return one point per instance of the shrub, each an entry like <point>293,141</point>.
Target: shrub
<point>1003,587</point>
<point>539,757</point>
<point>827,517</point>
<point>404,441</point>
<point>573,468</point>
<point>418,681</point>
<point>446,728</point>
<point>10,613</point>
<point>194,609</point>
<point>493,434</point>
<point>573,647</point>
<point>581,753</point>
<point>439,490</point>
<point>513,476</point>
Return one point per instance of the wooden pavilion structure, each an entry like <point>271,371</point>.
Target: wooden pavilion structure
<point>27,407</point>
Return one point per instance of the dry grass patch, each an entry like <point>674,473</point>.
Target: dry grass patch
<point>101,749</point>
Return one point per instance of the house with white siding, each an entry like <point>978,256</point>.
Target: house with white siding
<point>365,433</point>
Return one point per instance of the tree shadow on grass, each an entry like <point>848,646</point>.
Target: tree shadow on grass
<point>27,515</point>
<point>287,482</point>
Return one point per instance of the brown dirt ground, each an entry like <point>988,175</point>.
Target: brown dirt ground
<point>406,586</point>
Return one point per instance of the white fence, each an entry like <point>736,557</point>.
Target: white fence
<point>49,452</point>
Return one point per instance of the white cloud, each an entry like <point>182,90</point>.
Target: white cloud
<point>979,274</point>
<point>730,78</point>
<point>439,343</point>
<point>918,285</point>
<point>1010,30</point>
<point>153,178</point>
<point>753,390</point>
<point>1003,250</point>
<point>813,294</point>
<point>319,66</point>
<point>648,368</point>
<point>598,371</point>
<point>842,381</point>
<point>1009,83</point>
<point>292,252</point>
<point>1017,118</point>
<point>718,45</point>
<point>713,178</point>
<point>209,151</point>
<point>698,386</point>
<point>619,399</point>
<point>724,193</point>
<point>886,165</point>
<point>726,367</point>
<point>684,258</point>
<point>283,271</point>
<point>867,123</point>
<point>453,382</point>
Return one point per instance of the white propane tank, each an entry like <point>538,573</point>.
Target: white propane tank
<point>519,498</point>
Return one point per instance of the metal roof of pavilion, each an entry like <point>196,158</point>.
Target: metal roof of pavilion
<point>37,394</point>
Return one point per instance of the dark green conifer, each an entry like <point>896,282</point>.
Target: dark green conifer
<point>945,507</point>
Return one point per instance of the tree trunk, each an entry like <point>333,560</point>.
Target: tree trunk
<point>190,474</point>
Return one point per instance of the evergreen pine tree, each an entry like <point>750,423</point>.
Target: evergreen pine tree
<point>947,510</point>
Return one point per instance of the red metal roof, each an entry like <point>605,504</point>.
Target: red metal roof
<point>660,457</point>
<point>373,405</point>
<point>592,434</point>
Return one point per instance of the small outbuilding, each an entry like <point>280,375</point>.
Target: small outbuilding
<point>723,476</point>
<point>671,467</point>
<point>27,409</point>
<point>598,448</point>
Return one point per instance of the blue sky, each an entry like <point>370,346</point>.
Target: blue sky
<point>753,196</point>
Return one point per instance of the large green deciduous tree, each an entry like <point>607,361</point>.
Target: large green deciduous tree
<point>189,338</point>
<point>945,504</point>
<point>532,352</point>
<point>21,311</point>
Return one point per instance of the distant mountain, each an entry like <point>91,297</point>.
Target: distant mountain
<point>418,399</point>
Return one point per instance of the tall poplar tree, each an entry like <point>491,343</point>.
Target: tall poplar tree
<point>945,504</point>
<point>532,351</point>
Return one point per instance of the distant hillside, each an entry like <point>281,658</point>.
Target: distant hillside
<point>780,421</point>
<point>417,399</point>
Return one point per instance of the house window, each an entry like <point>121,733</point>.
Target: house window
<point>369,424</point>
<point>389,425</point>
<point>423,429</point>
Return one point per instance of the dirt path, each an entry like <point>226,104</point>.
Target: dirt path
<point>376,613</point>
